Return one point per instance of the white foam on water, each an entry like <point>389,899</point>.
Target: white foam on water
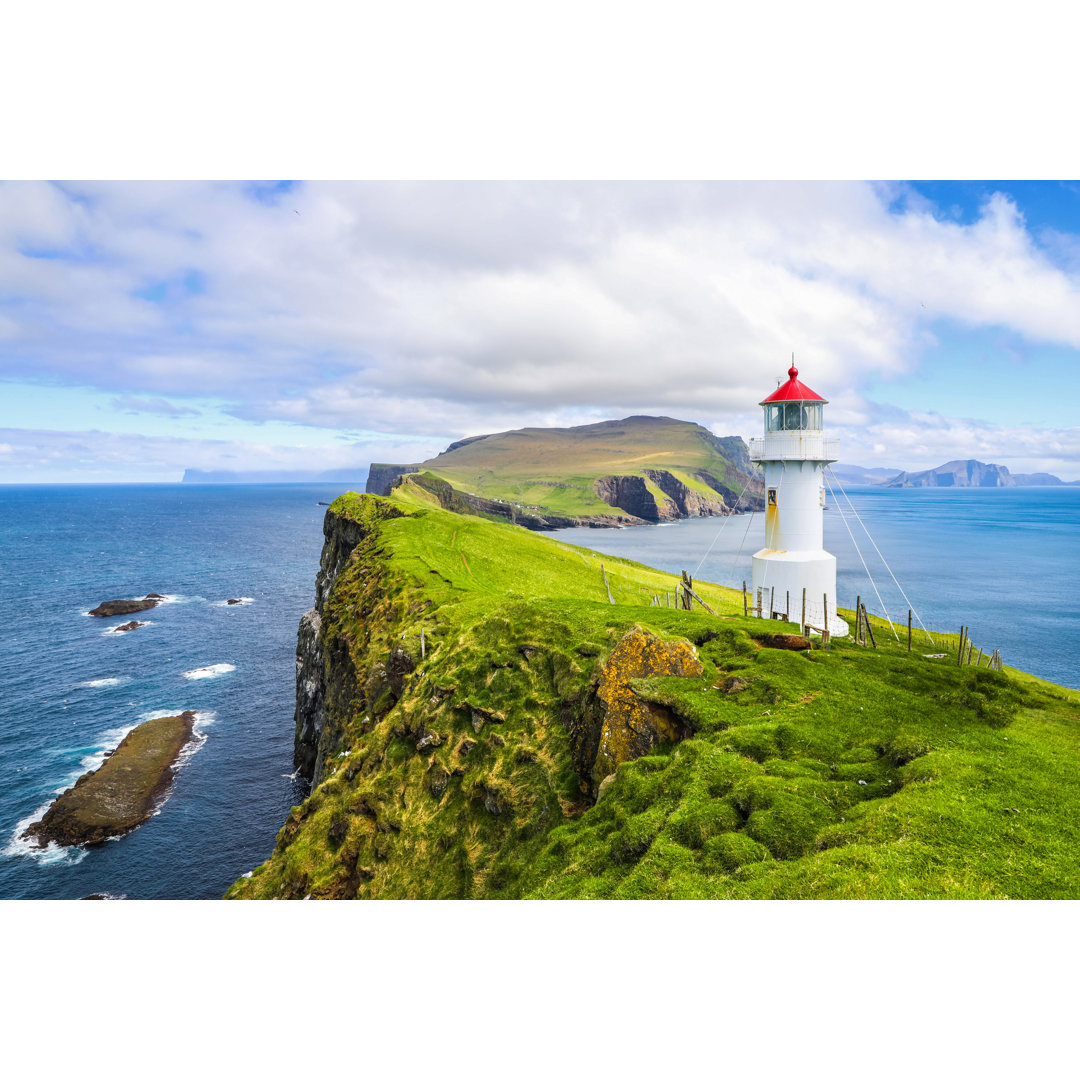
<point>242,601</point>
<point>203,719</point>
<point>113,681</point>
<point>210,672</point>
<point>52,854</point>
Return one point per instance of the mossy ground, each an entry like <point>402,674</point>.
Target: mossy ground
<point>849,772</point>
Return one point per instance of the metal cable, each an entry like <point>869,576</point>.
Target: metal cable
<point>861,559</point>
<point>880,556</point>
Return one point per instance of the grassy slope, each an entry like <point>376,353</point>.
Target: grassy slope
<point>847,773</point>
<point>522,466</point>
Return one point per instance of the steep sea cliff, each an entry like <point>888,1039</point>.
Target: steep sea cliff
<point>479,719</point>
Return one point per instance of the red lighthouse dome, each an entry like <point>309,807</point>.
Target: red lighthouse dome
<point>793,390</point>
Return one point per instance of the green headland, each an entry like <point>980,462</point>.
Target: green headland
<point>644,468</point>
<point>479,719</point>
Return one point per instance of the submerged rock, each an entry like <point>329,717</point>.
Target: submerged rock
<point>133,625</point>
<point>234,601</point>
<point>126,607</point>
<point>123,792</point>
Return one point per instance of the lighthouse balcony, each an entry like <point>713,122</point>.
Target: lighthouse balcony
<point>794,446</point>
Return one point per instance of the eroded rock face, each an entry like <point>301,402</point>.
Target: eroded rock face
<point>689,503</point>
<point>624,726</point>
<point>629,493</point>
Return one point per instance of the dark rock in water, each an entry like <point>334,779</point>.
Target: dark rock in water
<point>235,601</point>
<point>133,625</point>
<point>123,792</point>
<point>126,607</point>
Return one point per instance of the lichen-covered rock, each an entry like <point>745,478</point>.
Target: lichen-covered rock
<point>630,727</point>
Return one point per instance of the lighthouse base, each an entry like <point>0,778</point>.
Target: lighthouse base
<point>779,580</point>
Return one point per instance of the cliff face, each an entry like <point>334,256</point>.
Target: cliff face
<point>325,675</point>
<point>382,477</point>
<point>676,499</point>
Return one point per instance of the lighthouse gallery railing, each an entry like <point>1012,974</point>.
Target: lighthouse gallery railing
<point>794,446</point>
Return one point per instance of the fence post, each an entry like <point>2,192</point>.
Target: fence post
<point>804,611</point>
<point>909,629</point>
<point>744,609</point>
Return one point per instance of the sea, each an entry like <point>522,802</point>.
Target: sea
<point>999,561</point>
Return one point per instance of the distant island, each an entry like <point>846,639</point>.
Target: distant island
<point>636,471</point>
<point>972,473</point>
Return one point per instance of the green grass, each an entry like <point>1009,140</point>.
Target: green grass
<point>847,773</point>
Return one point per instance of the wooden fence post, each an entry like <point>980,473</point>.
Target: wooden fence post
<point>909,629</point>
<point>744,610</point>
<point>803,630</point>
<point>867,628</point>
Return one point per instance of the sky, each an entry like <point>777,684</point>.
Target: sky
<point>148,327</point>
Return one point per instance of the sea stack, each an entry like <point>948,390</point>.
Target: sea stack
<point>793,453</point>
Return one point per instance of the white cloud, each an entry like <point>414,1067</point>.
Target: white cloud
<point>37,456</point>
<point>453,309</point>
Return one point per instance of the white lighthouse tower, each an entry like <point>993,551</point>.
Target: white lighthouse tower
<point>794,453</point>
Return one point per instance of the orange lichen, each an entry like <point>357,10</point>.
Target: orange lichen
<point>632,727</point>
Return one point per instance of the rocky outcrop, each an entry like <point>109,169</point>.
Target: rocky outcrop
<point>618,725</point>
<point>133,625</point>
<point>123,792</point>
<point>630,493</point>
<point>688,502</point>
<point>126,607</point>
<point>382,477</point>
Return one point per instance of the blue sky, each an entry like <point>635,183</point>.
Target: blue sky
<point>147,327</point>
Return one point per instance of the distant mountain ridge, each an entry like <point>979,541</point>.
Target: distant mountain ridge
<point>972,473</point>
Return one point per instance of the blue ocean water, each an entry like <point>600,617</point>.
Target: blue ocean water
<point>1000,561</point>
<point>69,689</point>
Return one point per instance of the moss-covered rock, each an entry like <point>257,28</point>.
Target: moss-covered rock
<point>123,792</point>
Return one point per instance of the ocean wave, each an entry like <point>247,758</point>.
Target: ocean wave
<point>210,672</point>
<point>241,601</point>
<point>52,854</point>
<point>99,683</point>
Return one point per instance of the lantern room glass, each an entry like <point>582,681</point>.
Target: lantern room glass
<point>793,416</point>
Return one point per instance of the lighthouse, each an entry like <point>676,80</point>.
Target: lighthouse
<point>793,453</point>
